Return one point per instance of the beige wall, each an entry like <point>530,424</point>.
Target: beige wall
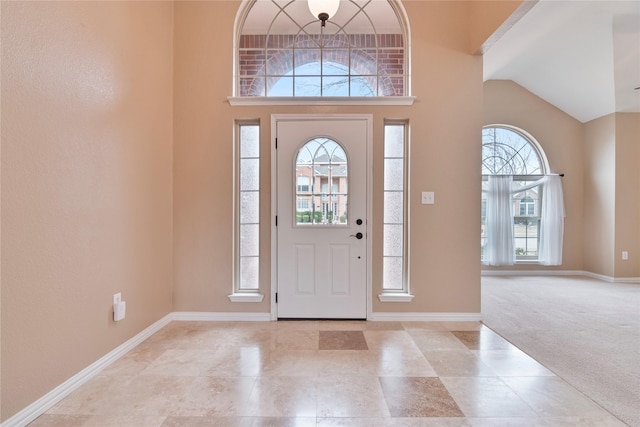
<point>445,157</point>
<point>600,190</point>
<point>86,184</point>
<point>627,204</point>
<point>561,138</point>
<point>490,20</point>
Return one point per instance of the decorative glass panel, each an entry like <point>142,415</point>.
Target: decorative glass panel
<point>249,270</point>
<point>393,245</point>
<point>394,174</point>
<point>249,174</point>
<point>392,268</point>
<point>248,228</point>
<point>323,163</point>
<point>249,207</point>
<point>394,227</point>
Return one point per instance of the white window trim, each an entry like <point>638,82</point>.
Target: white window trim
<point>388,296</point>
<point>246,297</point>
<point>402,295</point>
<point>238,295</point>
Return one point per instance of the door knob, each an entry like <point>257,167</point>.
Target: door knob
<point>357,236</point>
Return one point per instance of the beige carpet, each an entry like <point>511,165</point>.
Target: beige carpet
<point>584,330</point>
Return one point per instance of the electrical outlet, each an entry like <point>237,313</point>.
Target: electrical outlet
<point>625,255</point>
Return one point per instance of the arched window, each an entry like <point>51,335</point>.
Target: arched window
<point>322,162</point>
<point>284,51</point>
<point>511,152</point>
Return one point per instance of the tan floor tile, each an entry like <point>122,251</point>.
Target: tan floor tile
<point>393,422</point>
<point>383,326</point>
<point>342,340</point>
<point>236,362</point>
<point>436,340</point>
<point>553,397</point>
<point>281,397</point>
<point>350,396</point>
<point>546,422</point>
<point>290,363</point>
<point>133,362</point>
<point>484,339</point>
<point>424,326</point>
<point>211,396</point>
<point>240,422</point>
<point>401,362</point>
<point>55,420</point>
<point>380,339</point>
<point>457,363</point>
<point>486,397</point>
<point>297,340</point>
<point>463,326</point>
<point>418,397</point>
<point>309,325</point>
<point>512,363</point>
<point>346,362</point>
<point>342,325</point>
<point>176,362</point>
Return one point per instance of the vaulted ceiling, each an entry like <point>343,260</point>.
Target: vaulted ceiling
<point>581,56</point>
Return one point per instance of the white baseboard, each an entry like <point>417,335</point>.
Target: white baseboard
<point>425,317</point>
<point>612,279</point>
<point>533,273</point>
<point>220,317</point>
<point>561,273</point>
<point>47,401</point>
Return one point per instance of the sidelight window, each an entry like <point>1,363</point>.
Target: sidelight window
<point>247,213</point>
<point>395,275</point>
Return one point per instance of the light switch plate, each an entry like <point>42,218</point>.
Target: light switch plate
<point>428,198</point>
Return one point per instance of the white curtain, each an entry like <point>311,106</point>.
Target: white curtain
<point>499,246</point>
<point>551,221</point>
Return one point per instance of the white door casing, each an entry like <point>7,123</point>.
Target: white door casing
<point>321,270</point>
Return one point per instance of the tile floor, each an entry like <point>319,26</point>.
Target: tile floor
<point>326,374</point>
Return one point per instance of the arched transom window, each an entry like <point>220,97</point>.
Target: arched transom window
<point>321,183</point>
<point>284,51</point>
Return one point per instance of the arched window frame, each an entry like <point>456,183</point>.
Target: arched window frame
<point>526,227</point>
<point>407,99</point>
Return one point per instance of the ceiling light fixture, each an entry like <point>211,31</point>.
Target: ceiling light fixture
<point>323,9</point>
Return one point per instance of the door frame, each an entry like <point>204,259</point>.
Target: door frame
<point>275,118</point>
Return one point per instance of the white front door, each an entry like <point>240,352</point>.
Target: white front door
<point>322,217</point>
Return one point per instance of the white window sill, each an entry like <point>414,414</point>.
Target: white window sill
<point>246,297</point>
<point>395,297</point>
<point>320,100</point>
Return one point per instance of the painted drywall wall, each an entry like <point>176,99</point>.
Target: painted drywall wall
<point>560,136</point>
<point>86,184</point>
<point>600,195</point>
<point>627,205</point>
<point>445,123</point>
<point>490,20</point>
